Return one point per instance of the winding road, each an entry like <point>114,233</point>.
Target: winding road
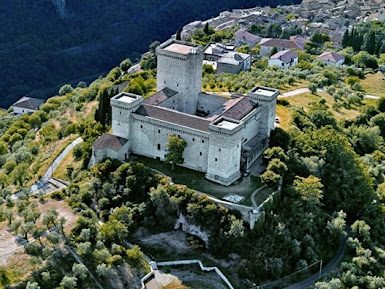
<point>331,266</point>
<point>303,90</point>
<point>42,185</point>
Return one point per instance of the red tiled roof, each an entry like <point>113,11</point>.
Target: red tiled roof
<point>240,109</point>
<point>285,55</point>
<point>174,116</point>
<point>160,96</point>
<point>280,43</point>
<point>111,141</point>
<point>331,57</point>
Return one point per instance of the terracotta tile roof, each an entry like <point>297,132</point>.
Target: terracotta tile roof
<point>174,116</point>
<point>281,43</point>
<point>331,57</point>
<point>240,109</point>
<point>160,96</point>
<point>285,55</point>
<point>29,103</point>
<point>179,48</point>
<point>247,36</point>
<point>110,141</point>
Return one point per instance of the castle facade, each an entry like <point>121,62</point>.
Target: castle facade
<point>224,136</point>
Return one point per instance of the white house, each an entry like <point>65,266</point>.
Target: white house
<point>331,58</point>
<point>27,104</point>
<point>285,59</point>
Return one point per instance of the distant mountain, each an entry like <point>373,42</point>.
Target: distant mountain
<point>46,43</point>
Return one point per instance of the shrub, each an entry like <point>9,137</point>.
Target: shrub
<point>67,88</point>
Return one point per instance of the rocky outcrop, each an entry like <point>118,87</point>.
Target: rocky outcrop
<point>183,224</point>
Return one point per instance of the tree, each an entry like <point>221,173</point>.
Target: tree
<point>34,121</point>
<point>80,270</point>
<point>178,35</point>
<point>309,189</point>
<point>50,218</point>
<point>113,231</point>
<point>103,270</point>
<point>125,64</point>
<point>370,42</point>
<point>67,88</point>
<point>364,60</point>
<point>3,148</point>
<point>381,104</point>
<point>166,208</point>
<point>313,88</point>
<point>32,285</point>
<point>274,51</point>
<point>135,257</point>
<point>337,225</point>
<point>69,282</point>
<point>175,148</point>
<point>270,178</point>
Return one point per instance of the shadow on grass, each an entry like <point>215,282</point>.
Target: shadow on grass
<point>197,181</point>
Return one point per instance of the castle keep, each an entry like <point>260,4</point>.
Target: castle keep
<point>224,136</point>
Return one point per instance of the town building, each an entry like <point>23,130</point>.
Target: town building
<point>284,59</point>
<point>26,104</point>
<point>243,37</point>
<point>331,58</point>
<point>214,51</point>
<point>224,136</point>
<point>234,62</point>
<point>268,44</point>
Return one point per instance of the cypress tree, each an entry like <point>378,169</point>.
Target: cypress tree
<point>346,39</point>
<point>370,42</point>
<point>178,35</point>
<point>206,29</point>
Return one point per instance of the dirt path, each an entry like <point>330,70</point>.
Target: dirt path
<point>299,91</point>
<point>8,245</point>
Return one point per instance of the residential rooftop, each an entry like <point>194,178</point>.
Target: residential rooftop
<point>29,103</point>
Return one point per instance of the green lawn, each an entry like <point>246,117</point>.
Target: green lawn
<point>197,181</point>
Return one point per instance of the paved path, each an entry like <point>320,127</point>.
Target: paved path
<point>299,91</point>
<point>49,173</point>
<point>46,183</point>
<point>252,197</point>
<point>331,266</point>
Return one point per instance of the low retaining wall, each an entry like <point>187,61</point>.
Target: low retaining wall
<point>203,268</point>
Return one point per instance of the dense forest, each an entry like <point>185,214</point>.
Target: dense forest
<point>45,45</point>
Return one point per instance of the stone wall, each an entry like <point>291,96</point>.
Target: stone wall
<point>182,73</point>
<point>149,133</point>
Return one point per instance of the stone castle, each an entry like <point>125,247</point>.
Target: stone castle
<point>224,136</point>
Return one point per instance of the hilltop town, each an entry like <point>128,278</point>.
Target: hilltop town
<point>324,16</point>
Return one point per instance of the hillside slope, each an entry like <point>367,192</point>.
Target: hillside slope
<point>46,43</point>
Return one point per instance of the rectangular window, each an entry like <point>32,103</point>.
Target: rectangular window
<point>220,149</point>
<point>141,126</point>
<point>158,130</point>
<point>158,147</point>
<point>203,141</point>
<point>216,159</point>
<point>193,139</point>
<point>200,153</point>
